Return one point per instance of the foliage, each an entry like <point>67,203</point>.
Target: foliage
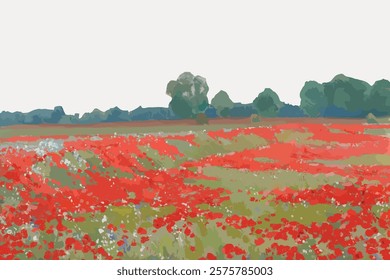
<point>40,116</point>
<point>371,118</point>
<point>189,95</point>
<point>268,103</point>
<point>222,103</point>
<point>240,110</point>
<point>378,100</point>
<point>255,118</point>
<point>342,97</point>
<point>313,99</point>
<point>201,118</point>
<point>290,111</point>
<point>345,97</point>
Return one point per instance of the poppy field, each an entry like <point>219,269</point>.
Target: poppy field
<point>286,191</point>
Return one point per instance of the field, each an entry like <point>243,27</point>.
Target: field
<point>298,190</point>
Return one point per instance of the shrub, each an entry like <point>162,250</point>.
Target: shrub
<point>371,118</point>
<point>255,118</point>
<point>201,118</point>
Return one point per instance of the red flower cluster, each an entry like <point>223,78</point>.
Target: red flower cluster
<point>47,186</point>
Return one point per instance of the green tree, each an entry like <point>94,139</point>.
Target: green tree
<point>346,96</point>
<point>313,99</point>
<point>378,100</point>
<point>268,103</point>
<point>189,95</point>
<point>222,103</point>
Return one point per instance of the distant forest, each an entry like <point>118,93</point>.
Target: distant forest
<point>342,97</point>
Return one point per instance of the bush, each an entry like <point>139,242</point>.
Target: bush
<point>201,118</point>
<point>371,118</point>
<point>255,118</point>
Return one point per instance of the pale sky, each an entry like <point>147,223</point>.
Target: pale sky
<point>100,54</point>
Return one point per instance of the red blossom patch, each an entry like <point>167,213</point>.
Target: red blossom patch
<point>117,172</point>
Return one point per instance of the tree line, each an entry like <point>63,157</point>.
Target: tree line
<point>342,97</point>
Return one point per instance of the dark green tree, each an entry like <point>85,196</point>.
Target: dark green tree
<point>56,115</point>
<point>268,103</point>
<point>189,95</point>
<point>313,99</point>
<point>378,100</point>
<point>346,97</point>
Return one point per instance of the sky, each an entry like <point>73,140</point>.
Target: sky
<point>99,54</point>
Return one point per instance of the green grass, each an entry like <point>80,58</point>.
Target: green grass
<point>232,179</point>
<point>102,130</point>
